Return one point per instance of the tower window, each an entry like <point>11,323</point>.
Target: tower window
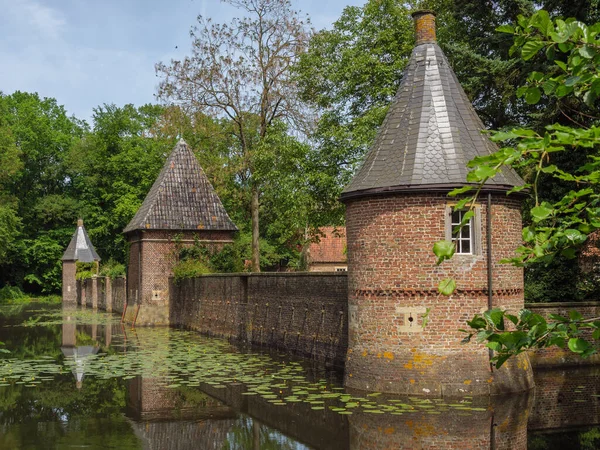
<point>463,237</point>
<point>468,238</point>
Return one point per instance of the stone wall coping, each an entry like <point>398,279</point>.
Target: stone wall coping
<point>562,304</point>
<point>273,274</point>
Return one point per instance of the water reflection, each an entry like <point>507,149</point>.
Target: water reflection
<point>102,385</point>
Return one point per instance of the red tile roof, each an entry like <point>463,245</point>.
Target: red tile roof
<point>331,246</point>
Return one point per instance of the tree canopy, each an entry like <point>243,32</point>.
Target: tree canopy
<point>241,71</point>
<point>558,227</point>
<point>280,116</point>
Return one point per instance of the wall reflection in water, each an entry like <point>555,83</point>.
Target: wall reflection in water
<point>210,417</point>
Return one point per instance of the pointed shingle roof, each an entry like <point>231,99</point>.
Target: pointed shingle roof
<point>181,198</point>
<point>429,134</point>
<point>80,248</point>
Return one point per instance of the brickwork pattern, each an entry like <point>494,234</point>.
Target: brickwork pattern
<point>424,27</point>
<point>69,288</point>
<point>152,256</point>
<point>89,293</point>
<point>303,314</point>
<point>119,293</point>
<point>566,399</point>
<point>556,356</point>
<point>393,281</point>
<point>102,294</point>
<point>330,250</point>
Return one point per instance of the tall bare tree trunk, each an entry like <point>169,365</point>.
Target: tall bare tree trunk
<point>255,243</point>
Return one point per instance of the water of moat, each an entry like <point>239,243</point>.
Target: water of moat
<point>75,378</point>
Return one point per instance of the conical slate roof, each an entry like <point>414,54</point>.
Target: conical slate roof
<point>181,198</point>
<point>80,248</point>
<point>429,134</point>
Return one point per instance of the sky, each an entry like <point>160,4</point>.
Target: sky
<point>85,53</point>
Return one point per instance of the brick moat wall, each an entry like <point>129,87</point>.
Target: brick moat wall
<point>290,311</point>
<point>119,293</point>
<point>566,399</point>
<point>555,356</point>
<point>392,289</point>
<point>300,313</point>
<point>104,293</point>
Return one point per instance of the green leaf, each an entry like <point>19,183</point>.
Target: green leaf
<point>447,286</point>
<point>501,359</point>
<point>518,188</point>
<point>481,173</point>
<point>536,76</point>
<point>578,345</point>
<point>587,51</point>
<point>574,235</point>
<point>459,191</point>
<point>549,86</point>
<point>530,49</point>
<point>494,345</point>
<point>589,98</point>
<point>477,323</point>
<point>540,212</point>
<point>495,317</point>
<point>505,29</point>
<point>514,319</point>
<point>533,95</point>
<point>561,64</point>
<point>575,315</point>
<point>444,250</point>
<point>541,20</point>
<point>558,318</point>
<point>572,81</point>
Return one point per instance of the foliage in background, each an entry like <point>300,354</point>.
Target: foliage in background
<point>54,168</point>
<point>241,72</point>
<point>350,74</point>
<point>557,227</point>
<point>112,269</point>
<point>11,295</point>
<point>112,169</point>
<point>199,259</point>
<point>85,270</point>
<point>37,206</point>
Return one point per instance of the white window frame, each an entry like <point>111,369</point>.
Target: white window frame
<point>474,225</point>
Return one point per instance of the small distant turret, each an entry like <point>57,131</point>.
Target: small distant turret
<point>80,249</point>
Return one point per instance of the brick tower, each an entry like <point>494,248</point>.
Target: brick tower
<point>181,208</point>
<point>396,209</point>
<point>80,249</point>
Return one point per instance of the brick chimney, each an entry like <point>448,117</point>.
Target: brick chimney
<point>424,27</point>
